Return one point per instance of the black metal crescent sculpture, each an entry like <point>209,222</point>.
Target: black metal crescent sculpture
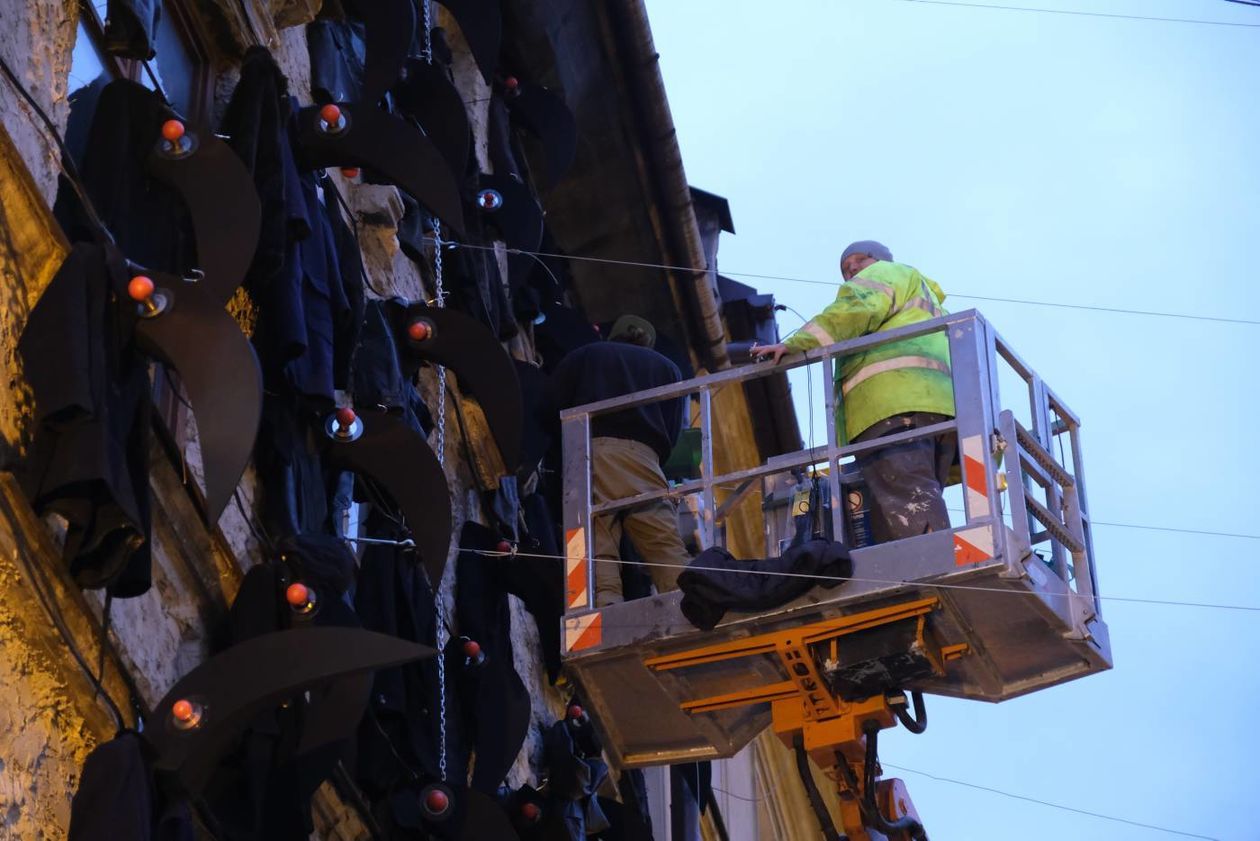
<point>224,205</point>
<point>485,370</point>
<point>544,113</point>
<point>427,94</point>
<point>481,21</point>
<point>185,326</point>
<point>485,820</point>
<point>383,448</point>
<point>389,28</point>
<point>205,713</point>
<point>509,206</point>
<point>365,136</point>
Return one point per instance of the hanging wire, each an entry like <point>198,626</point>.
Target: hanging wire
<point>833,284</point>
<point>1083,13</point>
<point>490,553</point>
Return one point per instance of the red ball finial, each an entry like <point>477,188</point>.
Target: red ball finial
<point>472,649</point>
<point>330,114</point>
<point>530,811</point>
<point>504,546</point>
<point>575,710</point>
<point>140,288</point>
<point>183,710</point>
<point>345,417</point>
<point>172,130</point>
<point>350,171</point>
<point>437,801</point>
<point>418,331</point>
<point>297,594</point>
<point>512,84</point>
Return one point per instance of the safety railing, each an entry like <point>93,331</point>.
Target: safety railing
<point>1052,514</point>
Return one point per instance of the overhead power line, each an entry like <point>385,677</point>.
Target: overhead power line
<point>494,553</point>
<point>1040,802</point>
<point>1081,13</point>
<point>833,284</point>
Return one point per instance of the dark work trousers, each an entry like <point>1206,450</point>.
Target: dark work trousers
<point>906,480</point>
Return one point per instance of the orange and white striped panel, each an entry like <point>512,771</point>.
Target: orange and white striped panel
<point>575,568</point>
<point>582,632</point>
<point>971,546</point>
<point>975,477</point>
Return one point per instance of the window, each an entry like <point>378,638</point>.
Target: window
<point>181,71</point>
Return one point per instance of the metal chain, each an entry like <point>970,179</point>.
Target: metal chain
<point>440,295</point>
<point>427,53</point>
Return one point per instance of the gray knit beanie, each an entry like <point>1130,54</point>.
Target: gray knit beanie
<point>868,246</point>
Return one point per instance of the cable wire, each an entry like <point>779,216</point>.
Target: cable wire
<point>834,284</point>
<point>1083,13</point>
<point>489,553</point>
<point>1073,809</point>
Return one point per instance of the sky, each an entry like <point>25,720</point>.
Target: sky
<point>1093,161</point>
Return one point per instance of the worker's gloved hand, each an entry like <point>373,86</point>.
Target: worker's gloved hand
<point>760,352</point>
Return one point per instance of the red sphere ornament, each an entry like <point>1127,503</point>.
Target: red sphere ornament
<point>346,417</point>
<point>330,114</point>
<point>504,546</point>
<point>512,84</point>
<point>472,649</point>
<point>530,812</point>
<point>350,171</point>
<point>437,801</point>
<point>183,710</point>
<point>140,288</point>
<point>575,711</point>
<point>297,594</point>
<point>418,331</point>
<point>172,130</point>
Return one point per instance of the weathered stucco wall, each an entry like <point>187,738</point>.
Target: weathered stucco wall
<point>48,719</point>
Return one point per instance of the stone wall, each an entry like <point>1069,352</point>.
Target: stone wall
<point>49,719</point>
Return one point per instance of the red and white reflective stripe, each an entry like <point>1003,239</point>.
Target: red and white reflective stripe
<point>971,546</point>
<point>575,568</point>
<point>975,477</point>
<point>582,632</point>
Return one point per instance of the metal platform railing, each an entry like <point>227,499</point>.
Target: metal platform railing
<point>985,430</point>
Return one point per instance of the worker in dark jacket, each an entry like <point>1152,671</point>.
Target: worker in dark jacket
<point>627,450</point>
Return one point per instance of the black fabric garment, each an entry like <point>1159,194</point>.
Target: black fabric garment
<point>89,461</point>
<point>377,378</point>
<point>575,772</point>
<point>147,218</point>
<point>256,124</point>
<point>398,740</point>
<point>535,435</point>
<point>564,331</point>
<point>349,326</point>
<point>263,790</point>
<point>118,798</point>
<point>337,52</point>
<point>906,480</point>
<point>131,28</point>
<point>604,370</point>
<point>294,484</point>
<point>539,582</point>
<point>495,703</point>
<point>759,584</point>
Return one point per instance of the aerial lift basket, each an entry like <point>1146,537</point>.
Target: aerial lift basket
<point>1012,584</point>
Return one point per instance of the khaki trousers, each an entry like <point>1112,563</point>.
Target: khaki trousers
<point>623,468</point>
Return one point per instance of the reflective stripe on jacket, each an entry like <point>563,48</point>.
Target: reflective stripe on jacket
<point>907,376</point>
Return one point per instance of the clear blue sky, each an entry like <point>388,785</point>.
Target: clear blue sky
<point>1096,161</point>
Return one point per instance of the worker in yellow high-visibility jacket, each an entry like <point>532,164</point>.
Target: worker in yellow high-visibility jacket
<point>889,388</point>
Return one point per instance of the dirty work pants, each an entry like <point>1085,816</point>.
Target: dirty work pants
<point>622,468</point>
<point>906,479</point>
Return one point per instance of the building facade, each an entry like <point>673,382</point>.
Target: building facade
<point>557,112</point>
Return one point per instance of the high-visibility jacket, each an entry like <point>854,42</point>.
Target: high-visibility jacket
<point>907,376</point>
